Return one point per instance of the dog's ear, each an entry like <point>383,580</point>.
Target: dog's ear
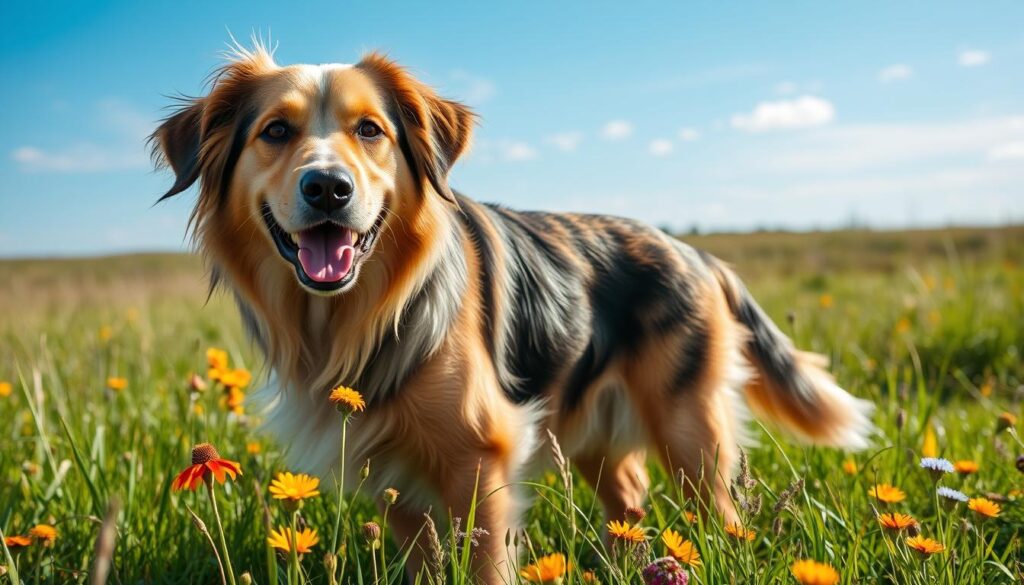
<point>176,144</point>
<point>435,132</point>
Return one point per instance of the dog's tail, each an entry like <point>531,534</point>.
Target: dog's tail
<point>791,387</point>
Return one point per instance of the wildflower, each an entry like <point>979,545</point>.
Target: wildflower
<point>903,325</point>
<point>950,495</point>
<point>371,532</point>
<point>886,493</point>
<point>825,301</point>
<point>347,400</point>
<point>106,333</point>
<point>736,530</point>
<point>303,540</point>
<point>294,488</point>
<point>635,514</point>
<point>245,578</point>
<point>196,383</point>
<point>117,384</point>
<point>205,461</point>
<point>809,572</point>
<point>691,517</point>
<point>589,577</point>
<point>936,467</point>
<point>390,496</point>
<point>253,448</point>
<point>925,546</point>
<point>984,508</point>
<point>236,379</point>
<point>44,533</point>
<point>17,541</point>
<point>217,359</point>
<point>966,466</point>
<point>896,521</point>
<point>787,496</point>
<point>850,467</point>
<point>930,444</point>
<point>625,532</point>
<point>547,569</point>
<point>680,549</point>
<point>665,571</point>
<point>1006,420</point>
<point>235,401</point>
<point>5,389</point>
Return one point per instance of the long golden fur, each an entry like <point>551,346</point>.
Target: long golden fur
<point>470,328</point>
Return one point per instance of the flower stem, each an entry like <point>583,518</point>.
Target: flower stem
<point>220,532</point>
<point>341,488</point>
<point>294,546</point>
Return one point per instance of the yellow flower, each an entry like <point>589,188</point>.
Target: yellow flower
<point>237,378</point>
<point>547,569</point>
<point>625,532</point>
<point>736,530</point>
<point>809,572</point>
<point>117,384</point>
<point>984,508</point>
<point>303,540</point>
<point>253,448</point>
<point>106,332</point>
<point>966,466</point>
<point>930,444</point>
<point>680,549</point>
<point>235,401</point>
<point>849,467</point>
<point>825,301</point>
<point>925,546</point>
<point>896,521</point>
<point>5,389</point>
<point>44,533</point>
<point>217,359</point>
<point>347,400</point>
<point>886,493</point>
<point>903,325</point>
<point>287,486</point>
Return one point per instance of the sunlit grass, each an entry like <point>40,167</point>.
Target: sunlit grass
<point>111,387</point>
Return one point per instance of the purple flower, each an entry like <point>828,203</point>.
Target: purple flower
<point>665,571</point>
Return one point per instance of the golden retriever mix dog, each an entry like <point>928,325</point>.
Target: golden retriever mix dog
<point>471,329</point>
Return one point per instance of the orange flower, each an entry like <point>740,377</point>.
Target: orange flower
<point>253,448</point>
<point>849,467</point>
<point>217,359</point>
<point>966,466</point>
<point>736,530</point>
<point>288,486</point>
<point>886,493</point>
<point>5,389</point>
<point>17,541</point>
<point>235,379</point>
<point>625,532</point>
<point>304,540</point>
<point>691,517</point>
<point>235,401</point>
<point>925,546</point>
<point>984,508</point>
<point>1005,421</point>
<point>809,572</point>
<point>44,533</point>
<point>896,521</point>
<point>117,384</point>
<point>547,569</point>
<point>681,549</point>
<point>347,400</point>
<point>205,461</point>
<point>825,301</point>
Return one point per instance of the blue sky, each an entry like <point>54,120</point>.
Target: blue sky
<point>719,115</point>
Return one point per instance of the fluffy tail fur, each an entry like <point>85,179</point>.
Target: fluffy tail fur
<point>792,387</point>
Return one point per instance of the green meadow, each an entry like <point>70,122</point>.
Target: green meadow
<point>102,360</point>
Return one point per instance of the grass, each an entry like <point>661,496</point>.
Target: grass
<point>929,325</point>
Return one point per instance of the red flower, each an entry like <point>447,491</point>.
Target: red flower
<point>205,461</point>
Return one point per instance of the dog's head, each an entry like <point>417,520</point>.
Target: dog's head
<point>315,158</point>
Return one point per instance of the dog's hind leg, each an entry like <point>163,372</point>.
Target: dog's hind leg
<point>620,482</point>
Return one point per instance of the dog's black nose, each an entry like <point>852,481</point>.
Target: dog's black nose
<point>326,189</point>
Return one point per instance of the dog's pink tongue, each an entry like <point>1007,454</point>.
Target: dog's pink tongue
<point>326,252</point>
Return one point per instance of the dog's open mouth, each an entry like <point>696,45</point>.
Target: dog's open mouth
<point>325,256</point>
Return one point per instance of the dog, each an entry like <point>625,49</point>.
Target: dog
<point>471,329</point>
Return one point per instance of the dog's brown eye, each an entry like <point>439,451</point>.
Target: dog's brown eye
<point>276,132</point>
<point>368,129</point>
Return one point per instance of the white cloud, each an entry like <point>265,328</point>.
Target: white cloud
<point>802,112</point>
<point>81,158</point>
<point>855,148</point>
<point>1007,151</point>
<point>472,89</point>
<point>660,147</point>
<point>973,57</point>
<point>517,151</point>
<point>617,130</point>
<point>689,134</point>
<point>565,141</point>
<point>895,72</point>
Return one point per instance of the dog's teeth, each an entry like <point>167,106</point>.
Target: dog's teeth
<point>295,239</point>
